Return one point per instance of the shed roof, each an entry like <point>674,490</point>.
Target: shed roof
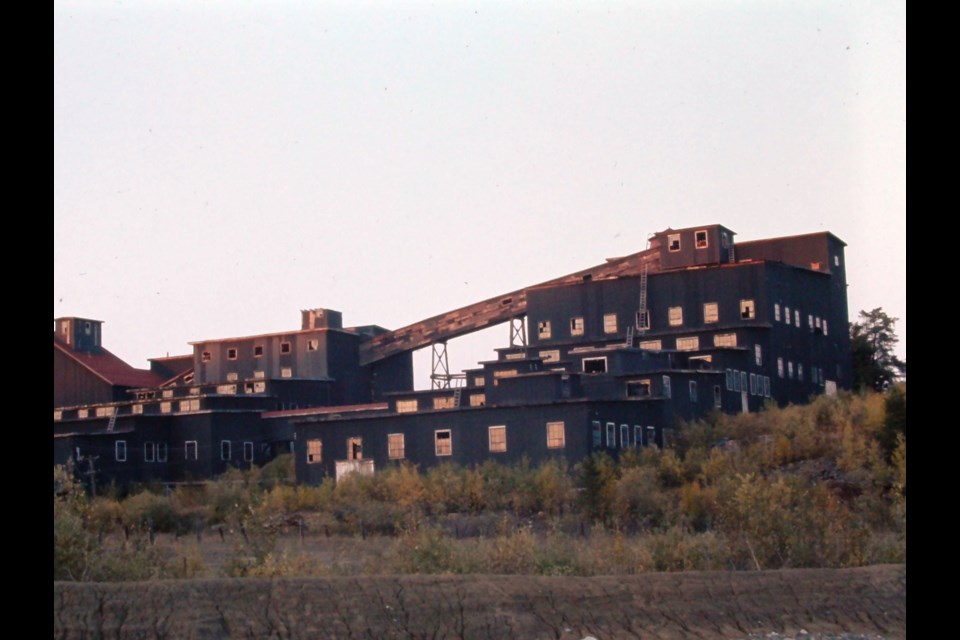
<point>109,367</point>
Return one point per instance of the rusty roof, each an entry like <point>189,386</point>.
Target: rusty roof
<point>109,367</point>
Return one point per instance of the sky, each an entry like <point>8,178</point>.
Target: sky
<point>219,166</point>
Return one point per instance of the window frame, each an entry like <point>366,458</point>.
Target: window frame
<point>610,323</point>
<point>120,450</point>
<point>675,316</point>
<point>396,451</point>
<point>248,446</point>
<point>544,330</point>
<point>226,450</point>
<point>611,435</point>
<point>701,239</point>
<point>576,326</point>
<point>711,312</point>
<point>314,451</point>
<point>448,448</point>
<point>497,444</point>
<point>191,444</point>
<point>673,242</point>
<point>748,309</point>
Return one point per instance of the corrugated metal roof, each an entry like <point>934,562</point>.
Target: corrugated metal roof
<point>109,367</point>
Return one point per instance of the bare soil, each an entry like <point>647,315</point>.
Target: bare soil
<point>866,602</point>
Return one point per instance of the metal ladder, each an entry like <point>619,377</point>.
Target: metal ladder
<point>457,392</point>
<point>629,341</point>
<point>113,420</point>
<point>642,313</point>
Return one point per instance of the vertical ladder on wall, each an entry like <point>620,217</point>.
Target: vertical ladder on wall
<point>457,392</point>
<point>629,340</point>
<point>642,321</point>
<point>733,254</point>
<point>113,420</point>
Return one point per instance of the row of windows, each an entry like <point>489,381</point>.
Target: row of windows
<point>754,384</point>
<point>816,373</point>
<point>545,329</point>
<point>440,402</point>
<point>157,451</point>
<point>258,351</point>
<point>815,323</point>
<point>442,442</point>
<point>625,435</point>
<point>699,240</point>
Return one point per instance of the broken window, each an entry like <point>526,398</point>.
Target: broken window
<point>688,344</point>
<point>395,446</point>
<point>747,310</point>
<point>675,316</point>
<point>552,355</point>
<point>595,365</point>
<point>651,436</point>
<point>478,399</point>
<point>576,326</point>
<point>226,450</point>
<point>314,450</point>
<point>497,439</point>
<point>205,356</point>
<point>638,389</point>
<point>556,436</point>
<point>700,239</point>
<point>284,347</point>
<point>543,329</point>
<point>611,435</point>
<point>406,406</point>
<point>637,435</point>
<point>313,345</point>
<point>597,434</point>
<point>161,452</point>
<point>190,450</point>
<point>443,442</point>
<point>711,312</point>
<point>258,351</point>
<point>248,451</point>
<point>355,448</point>
<point>609,323</point>
<point>231,354</point>
<point>673,242</point>
<point>624,436</point>
<point>120,450</point>
<point>444,402</point>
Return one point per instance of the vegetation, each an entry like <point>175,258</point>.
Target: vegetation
<point>819,485</point>
<point>872,341</point>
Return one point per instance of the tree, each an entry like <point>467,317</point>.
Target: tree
<point>872,340</point>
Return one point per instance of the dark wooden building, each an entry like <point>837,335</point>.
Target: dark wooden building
<point>606,358</point>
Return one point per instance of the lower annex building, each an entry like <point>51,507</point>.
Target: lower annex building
<point>606,358</point>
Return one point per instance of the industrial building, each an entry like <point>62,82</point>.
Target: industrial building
<point>606,358</point>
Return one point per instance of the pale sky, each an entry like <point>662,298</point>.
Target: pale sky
<point>219,166</point>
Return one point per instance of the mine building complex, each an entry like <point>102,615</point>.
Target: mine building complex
<point>607,358</point>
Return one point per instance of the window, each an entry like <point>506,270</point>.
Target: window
<point>651,345</point>
<point>776,311</point>
<point>611,435</point>
<point>673,242</point>
<point>700,239</point>
<point>743,380</point>
<point>638,389</point>
<point>167,393</point>
<point>205,356</point>
<point>836,261</point>
<point>753,384</point>
<point>643,320</point>
<point>190,450</point>
<point>666,386</point>
<point>314,451</point>
<point>248,451</point>
<point>825,332</point>
<point>226,450</point>
<point>651,436</point>
<point>478,399</point>
<point>717,396</point>
<point>479,381</point>
<point>231,354</point>
<point>576,326</point>
<point>786,314</point>
<point>286,372</point>
<point>609,323</point>
<point>443,402</point>
<point>190,405</point>
<point>789,369</point>
<point>120,450</point>
<point>747,310</point>
<point>810,320</point>
<point>258,351</point>
<point>395,446</point>
<point>161,452</point>
<point>817,322</point>
<point>406,406</point>
<point>637,435</point>
<point>497,439</point>
<point>730,375</point>
<point>693,391</point>
<point>232,376</point>
<point>796,317</point>
<point>553,355</point>
<point>758,355</point>
<point>766,386</point>
<point>711,312</point>
<point>624,436</point>
<point>166,407</point>
<point>597,434</point>
<point>58,415</point>
<point>284,347</point>
<point>355,448</point>
<point>443,442</point>
<point>799,372</point>
<point>725,340</point>
<point>227,389</point>
<point>313,345</point>
<point>780,367</point>
<point>543,329</point>
<point>675,316</point>
<point>688,344</point>
<point>595,365</point>
<point>736,380</point>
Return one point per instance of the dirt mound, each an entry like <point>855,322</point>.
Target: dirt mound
<point>868,601</point>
